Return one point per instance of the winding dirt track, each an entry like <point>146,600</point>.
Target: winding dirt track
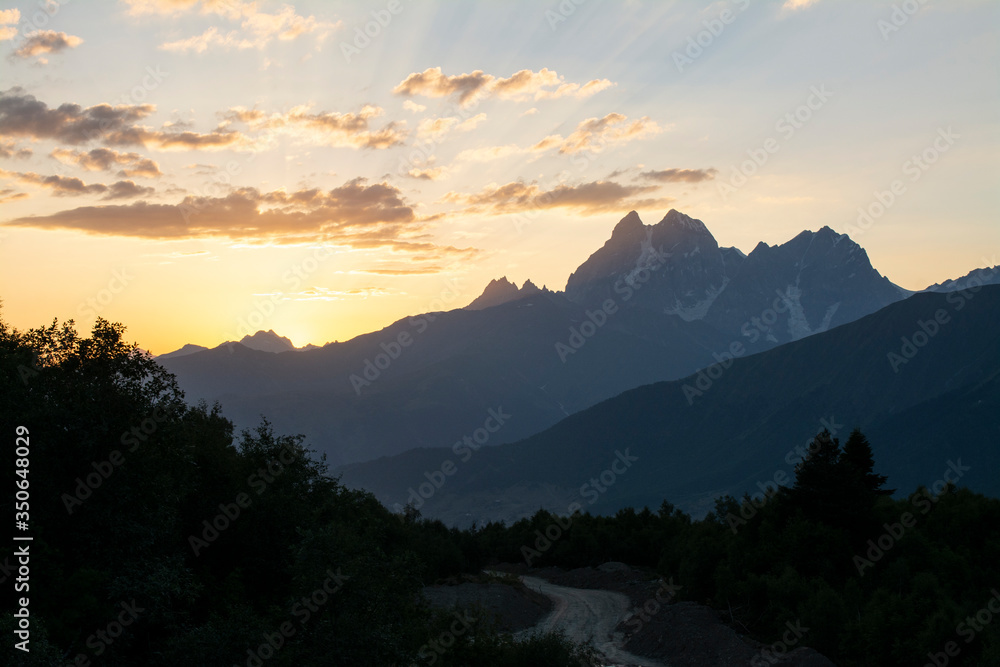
<point>588,615</point>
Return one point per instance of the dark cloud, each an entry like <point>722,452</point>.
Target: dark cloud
<point>356,214</point>
<point>586,198</point>
<point>71,186</point>
<point>104,159</point>
<point>680,175</point>
<point>22,115</point>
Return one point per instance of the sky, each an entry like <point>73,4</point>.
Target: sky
<point>201,169</point>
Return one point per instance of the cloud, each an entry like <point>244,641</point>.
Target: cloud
<point>328,294</point>
<point>522,85</point>
<point>489,153</point>
<point>70,186</point>
<point>530,112</point>
<point>326,128</point>
<point>46,41</point>
<point>680,175</point>
<point>355,214</point>
<point>435,128</point>
<point>23,115</point>
<point>127,190</point>
<point>9,194</point>
<point>585,199</point>
<point>105,159</point>
<point>430,174</point>
<point>410,105</point>
<point>793,5</point>
<point>256,28</point>
<point>7,17</point>
<point>9,149</point>
<point>594,134</point>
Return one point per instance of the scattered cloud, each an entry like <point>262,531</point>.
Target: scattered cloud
<point>594,134</point>
<point>21,115</point>
<point>793,5</point>
<point>329,294</point>
<point>43,42</point>
<point>530,112</point>
<point>680,175</point>
<point>9,149</point>
<point>105,159</point>
<point>70,186</point>
<point>489,153</point>
<point>326,128</point>
<point>585,198</point>
<point>410,105</point>
<point>430,174</point>
<point>7,18</point>
<point>522,85</point>
<point>356,214</point>
<point>434,128</point>
<point>256,28</point>
<point>9,194</point>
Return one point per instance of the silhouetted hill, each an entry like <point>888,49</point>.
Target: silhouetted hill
<point>926,392</point>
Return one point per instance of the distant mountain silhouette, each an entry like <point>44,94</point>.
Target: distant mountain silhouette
<point>920,377</point>
<point>654,303</point>
<point>502,291</point>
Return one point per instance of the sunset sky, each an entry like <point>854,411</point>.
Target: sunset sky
<point>185,166</point>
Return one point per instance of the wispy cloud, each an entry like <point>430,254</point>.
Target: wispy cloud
<point>7,18</point>
<point>44,42</point>
<point>586,198</point>
<point>522,85</point>
<point>69,186</point>
<point>325,128</point>
<point>680,175</point>
<point>104,159</point>
<point>256,28</point>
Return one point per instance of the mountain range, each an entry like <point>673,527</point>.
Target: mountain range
<point>656,302</point>
<point>920,377</point>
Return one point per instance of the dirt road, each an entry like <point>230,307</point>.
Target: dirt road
<point>588,615</point>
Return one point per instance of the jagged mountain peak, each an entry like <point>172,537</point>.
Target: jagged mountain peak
<point>267,341</point>
<point>501,290</point>
<point>677,220</point>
